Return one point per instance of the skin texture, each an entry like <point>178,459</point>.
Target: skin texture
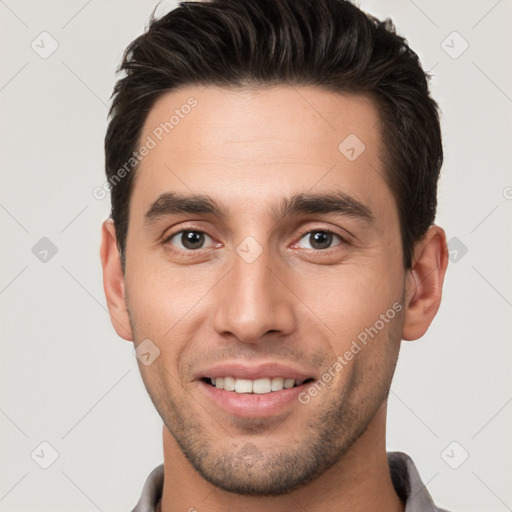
<point>295,304</point>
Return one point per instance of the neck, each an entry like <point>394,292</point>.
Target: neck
<point>358,482</point>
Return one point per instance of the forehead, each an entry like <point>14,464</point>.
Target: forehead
<point>260,144</point>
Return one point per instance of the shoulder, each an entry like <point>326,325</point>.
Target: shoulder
<point>152,491</point>
<point>408,484</point>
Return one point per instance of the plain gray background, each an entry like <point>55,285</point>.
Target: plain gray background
<point>67,380</point>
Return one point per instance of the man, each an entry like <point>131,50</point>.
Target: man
<point>273,167</point>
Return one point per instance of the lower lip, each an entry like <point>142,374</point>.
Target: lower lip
<point>253,405</point>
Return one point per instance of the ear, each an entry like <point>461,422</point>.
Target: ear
<point>113,281</point>
<point>424,283</point>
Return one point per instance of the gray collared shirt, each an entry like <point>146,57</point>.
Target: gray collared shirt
<point>405,477</point>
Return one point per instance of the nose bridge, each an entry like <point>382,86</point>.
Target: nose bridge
<point>253,299</point>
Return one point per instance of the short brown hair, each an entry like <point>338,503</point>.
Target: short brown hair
<point>326,43</point>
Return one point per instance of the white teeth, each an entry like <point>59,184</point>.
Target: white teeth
<point>243,386</point>
<point>229,384</point>
<point>289,383</point>
<point>261,386</point>
<point>258,386</point>
<point>277,384</point>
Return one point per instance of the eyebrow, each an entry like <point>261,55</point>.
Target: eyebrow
<point>172,203</point>
<point>332,202</point>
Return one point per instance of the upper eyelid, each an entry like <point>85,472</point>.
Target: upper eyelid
<point>343,240</point>
<point>306,231</point>
<point>172,231</point>
<point>166,238</point>
<point>197,225</point>
<point>325,230</point>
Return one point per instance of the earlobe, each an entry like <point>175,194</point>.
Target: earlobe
<point>113,281</point>
<point>424,284</point>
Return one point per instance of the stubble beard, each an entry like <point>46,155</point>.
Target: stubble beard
<point>244,467</point>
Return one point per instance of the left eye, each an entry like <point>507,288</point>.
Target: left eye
<point>319,240</point>
<point>189,240</point>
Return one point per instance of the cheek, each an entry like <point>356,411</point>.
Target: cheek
<point>352,298</point>
<point>367,359</point>
<point>167,306</point>
<point>159,296</point>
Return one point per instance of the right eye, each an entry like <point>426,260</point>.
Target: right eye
<point>188,239</point>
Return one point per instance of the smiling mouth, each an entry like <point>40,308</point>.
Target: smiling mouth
<point>257,386</point>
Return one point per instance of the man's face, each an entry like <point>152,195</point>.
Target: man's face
<point>265,279</point>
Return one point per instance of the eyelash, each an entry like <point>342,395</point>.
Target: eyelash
<point>343,240</point>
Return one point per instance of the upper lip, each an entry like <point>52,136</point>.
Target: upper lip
<point>239,370</point>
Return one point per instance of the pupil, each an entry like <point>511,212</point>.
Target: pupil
<point>192,239</point>
<point>321,240</point>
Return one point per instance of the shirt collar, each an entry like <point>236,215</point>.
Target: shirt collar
<point>404,475</point>
<point>408,484</point>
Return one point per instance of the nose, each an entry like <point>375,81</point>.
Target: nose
<point>254,301</point>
